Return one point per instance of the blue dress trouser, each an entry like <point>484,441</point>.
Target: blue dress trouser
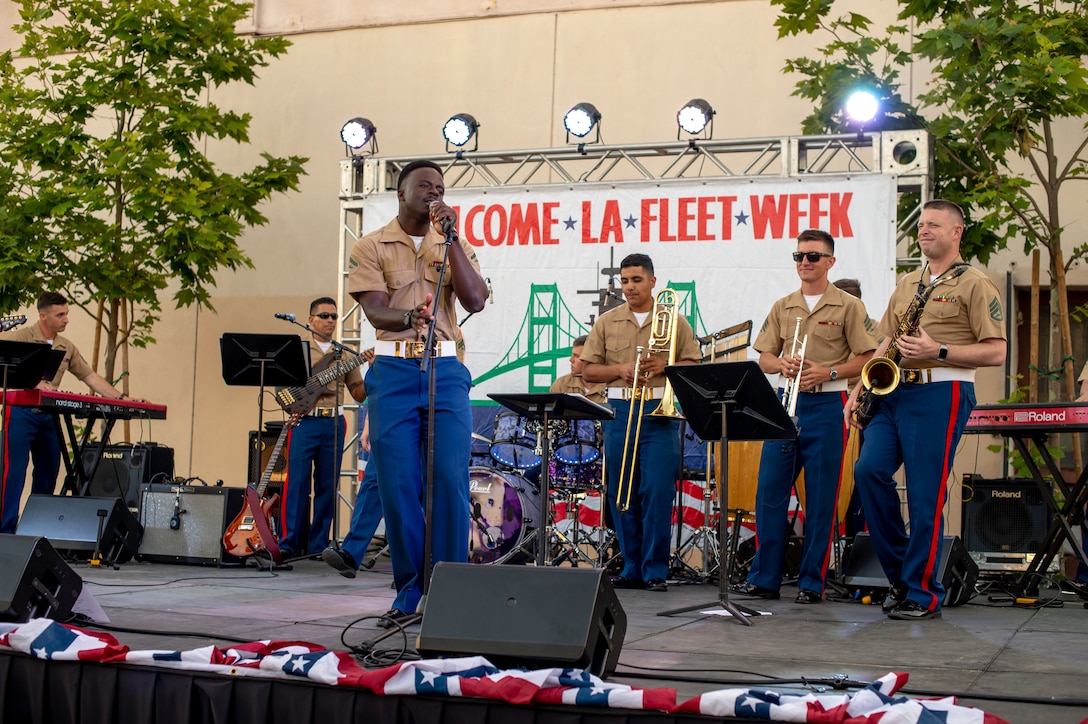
<point>397,390</point>
<point>30,436</point>
<point>818,449</point>
<point>917,426</point>
<point>365,516</point>
<point>645,528</point>
<point>313,447</point>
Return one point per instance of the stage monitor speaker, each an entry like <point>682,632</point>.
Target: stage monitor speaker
<point>71,524</point>
<point>124,468</point>
<point>1004,522</point>
<point>35,582</point>
<point>958,573</point>
<point>185,523</point>
<point>524,616</point>
<point>258,459</point>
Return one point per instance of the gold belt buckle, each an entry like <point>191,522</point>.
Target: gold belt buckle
<point>912,377</point>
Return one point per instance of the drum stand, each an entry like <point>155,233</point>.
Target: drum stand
<point>703,539</point>
<point>570,548</point>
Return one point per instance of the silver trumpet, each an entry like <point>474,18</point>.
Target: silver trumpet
<point>793,386</point>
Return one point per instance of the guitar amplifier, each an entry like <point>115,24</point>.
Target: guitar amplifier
<point>124,468</point>
<point>185,523</point>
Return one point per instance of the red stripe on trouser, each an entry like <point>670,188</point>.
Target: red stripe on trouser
<point>942,487</point>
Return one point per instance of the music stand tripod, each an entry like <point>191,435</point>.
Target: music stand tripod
<point>545,407</point>
<point>728,401</point>
<point>258,360</point>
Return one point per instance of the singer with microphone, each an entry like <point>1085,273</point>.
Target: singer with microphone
<point>315,444</point>
<point>838,339</point>
<point>394,274</point>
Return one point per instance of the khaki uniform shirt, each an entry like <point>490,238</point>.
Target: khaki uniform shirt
<point>965,310</point>
<point>334,394</point>
<point>73,360</point>
<point>838,328</point>
<point>616,336</point>
<point>386,260</point>
<point>594,391</point>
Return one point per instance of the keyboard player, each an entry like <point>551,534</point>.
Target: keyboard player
<point>30,436</point>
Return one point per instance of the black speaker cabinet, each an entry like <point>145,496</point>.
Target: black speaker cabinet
<point>958,573</point>
<point>524,616</point>
<point>259,453</point>
<point>71,524</point>
<point>35,582</point>
<point>185,523</point>
<point>1004,522</point>
<point>124,468</point>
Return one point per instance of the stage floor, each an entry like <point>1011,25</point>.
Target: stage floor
<point>989,655</point>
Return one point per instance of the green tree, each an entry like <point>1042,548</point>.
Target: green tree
<point>1004,74</point>
<point>107,189</point>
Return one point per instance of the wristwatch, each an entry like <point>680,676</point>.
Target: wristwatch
<point>942,353</point>
<point>408,318</point>
<point>833,374</point>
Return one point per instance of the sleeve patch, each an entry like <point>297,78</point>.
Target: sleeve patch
<point>995,310</point>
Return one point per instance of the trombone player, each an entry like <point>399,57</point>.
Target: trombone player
<point>837,337</point>
<point>640,337</point>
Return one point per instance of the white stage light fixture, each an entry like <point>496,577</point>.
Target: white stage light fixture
<point>581,120</point>
<point>459,130</point>
<point>695,116</point>
<point>357,133</point>
<point>862,107</point>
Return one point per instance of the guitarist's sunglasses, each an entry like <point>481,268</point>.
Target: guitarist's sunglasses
<point>325,315</point>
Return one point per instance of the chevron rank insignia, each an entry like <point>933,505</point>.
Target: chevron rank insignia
<point>995,310</point>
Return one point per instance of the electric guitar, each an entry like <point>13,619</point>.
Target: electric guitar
<point>250,531</point>
<point>302,398</point>
<point>11,322</point>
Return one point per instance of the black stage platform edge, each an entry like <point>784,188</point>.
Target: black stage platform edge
<point>38,691</point>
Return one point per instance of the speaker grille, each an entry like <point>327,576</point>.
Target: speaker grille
<point>1004,521</point>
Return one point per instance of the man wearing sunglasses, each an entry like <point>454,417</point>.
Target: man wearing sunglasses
<point>315,445</point>
<point>837,337</point>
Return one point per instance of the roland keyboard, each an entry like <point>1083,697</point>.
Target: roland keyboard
<point>1024,417</point>
<point>85,405</point>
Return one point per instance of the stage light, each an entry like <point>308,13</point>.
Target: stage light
<point>357,133</point>
<point>581,120</point>
<point>694,117</point>
<point>459,130</point>
<point>862,107</point>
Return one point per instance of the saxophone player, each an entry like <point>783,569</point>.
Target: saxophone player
<point>839,341</point>
<point>919,422</point>
<point>611,355</point>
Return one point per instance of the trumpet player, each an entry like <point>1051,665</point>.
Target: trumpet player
<point>919,422</point>
<point>837,336</point>
<point>611,355</point>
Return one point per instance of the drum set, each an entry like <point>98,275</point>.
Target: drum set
<point>509,519</point>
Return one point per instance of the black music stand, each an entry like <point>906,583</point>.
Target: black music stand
<point>729,401</point>
<point>257,360</point>
<point>547,406</point>
<point>24,365</point>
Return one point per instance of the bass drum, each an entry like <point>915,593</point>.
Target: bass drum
<point>504,510</point>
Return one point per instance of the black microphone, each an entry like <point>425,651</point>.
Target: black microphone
<point>283,315</point>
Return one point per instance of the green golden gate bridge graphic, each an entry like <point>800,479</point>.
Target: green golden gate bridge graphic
<point>549,328</point>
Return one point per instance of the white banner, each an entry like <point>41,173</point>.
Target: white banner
<point>723,244</point>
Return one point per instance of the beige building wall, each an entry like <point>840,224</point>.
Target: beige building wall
<point>517,66</point>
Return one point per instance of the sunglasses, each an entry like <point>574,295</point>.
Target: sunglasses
<point>325,315</point>
<point>812,256</point>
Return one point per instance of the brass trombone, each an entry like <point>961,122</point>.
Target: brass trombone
<point>662,339</point>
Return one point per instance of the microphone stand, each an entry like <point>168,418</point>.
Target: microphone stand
<point>427,367</point>
<point>339,350</point>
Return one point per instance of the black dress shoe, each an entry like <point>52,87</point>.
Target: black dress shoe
<point>657,584</point>
<point>911,611</point>
<point>393,617</point>
<point>895,596</point>
<point>341,560</point>
<point>807,596</point>
<point>627,583</point>
<point>753,591</point>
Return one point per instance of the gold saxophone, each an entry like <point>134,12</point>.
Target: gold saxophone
<point>881,375</point>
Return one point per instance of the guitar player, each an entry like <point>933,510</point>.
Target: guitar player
<point>33,436</point>
<point>315,446</point>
